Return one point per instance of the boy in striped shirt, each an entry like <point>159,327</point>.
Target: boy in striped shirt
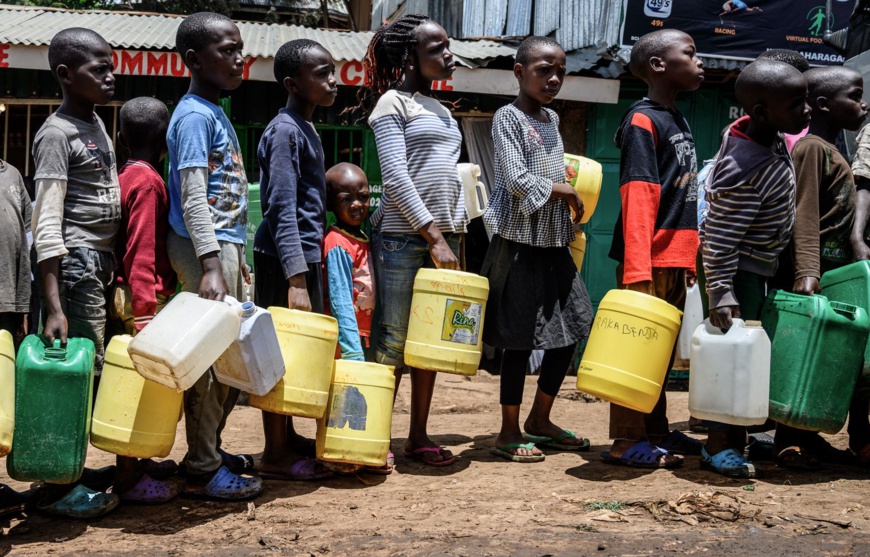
<point>751,194</point>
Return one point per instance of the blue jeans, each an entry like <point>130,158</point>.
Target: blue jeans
<point>398,257</point>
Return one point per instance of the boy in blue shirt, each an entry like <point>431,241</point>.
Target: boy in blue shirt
<point>208,215</point>
<point>287,245</point>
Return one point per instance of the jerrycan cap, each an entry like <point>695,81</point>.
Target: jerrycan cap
<point>752,323</point>
<point>248,309</point>
<point>55,351</point>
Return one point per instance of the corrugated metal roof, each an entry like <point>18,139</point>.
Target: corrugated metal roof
<point>141,31</point>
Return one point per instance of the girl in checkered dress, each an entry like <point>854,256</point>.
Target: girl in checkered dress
<point>537,299</point>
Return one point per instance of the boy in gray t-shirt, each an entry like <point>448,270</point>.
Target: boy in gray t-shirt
<point>78,208</point>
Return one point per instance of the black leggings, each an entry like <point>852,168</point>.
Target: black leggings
<point>554,367</point>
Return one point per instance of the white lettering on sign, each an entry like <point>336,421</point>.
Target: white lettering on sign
<point>735,112</point>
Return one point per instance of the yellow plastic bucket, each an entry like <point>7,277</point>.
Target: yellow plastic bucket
<point>578,249</point>
<point>307,343</point>
<point>7,391</point>
<point>445,329</point>
<point>585,175</point>
<point>133,416</point>
<point>359,417</point>
<point>627,355</point>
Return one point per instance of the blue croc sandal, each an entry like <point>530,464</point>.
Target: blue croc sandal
<point>643,454</point>
<point>728,463</point>
<point>677,442</point>
<point>82,503</point>
<point>226,486</point>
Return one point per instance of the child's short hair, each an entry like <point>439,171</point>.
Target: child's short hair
<point>73,47</point>
<point>529,44</point>
<point>194,32</point>
<point>334,177</point>
<point>142,120</point>
<point>762,81</point>
<point>791,57</point>
<point>290,56</point>
<point>827,82</point>
<point>655,44</point>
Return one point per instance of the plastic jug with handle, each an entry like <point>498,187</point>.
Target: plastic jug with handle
<point>253,363</point>
<point>133,416</point>
<point>476,195</point>
<point>693,316</point>
<point>729,378</point>
<point>585,176</point>
<point>7,391</point>
<point>578,248</point>
<point>629,349</point>
<point>53,393</point>
<point>184,340</point>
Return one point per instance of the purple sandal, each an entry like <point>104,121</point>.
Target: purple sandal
<point>643,455</point>
<point>149,491</point>
<point>304,470</point>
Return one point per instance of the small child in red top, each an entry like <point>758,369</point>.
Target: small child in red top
<point>347,268</point>
<point>144,278</point>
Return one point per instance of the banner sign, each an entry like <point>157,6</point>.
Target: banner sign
<point>742,29</point>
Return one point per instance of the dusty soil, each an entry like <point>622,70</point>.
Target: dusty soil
<point>571,504</point>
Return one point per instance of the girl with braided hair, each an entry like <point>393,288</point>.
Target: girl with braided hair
<point>421,218</point>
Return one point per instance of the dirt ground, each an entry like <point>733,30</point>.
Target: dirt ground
<point>571,504</point>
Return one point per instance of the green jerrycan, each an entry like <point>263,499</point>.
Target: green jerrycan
<point>851,285</point>
<point>53,393</point>
<point>817,348</point>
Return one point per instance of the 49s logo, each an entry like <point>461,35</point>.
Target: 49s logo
<point>657,8</point>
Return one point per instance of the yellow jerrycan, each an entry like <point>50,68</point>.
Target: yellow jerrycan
<point>445,329</point>
<point>585,175</point>
<point>307,342</point>
<point>578,248</point>
<point>7,392</point>
<point>133,416</point>
<point>628,351</point>
<point>359,417</point>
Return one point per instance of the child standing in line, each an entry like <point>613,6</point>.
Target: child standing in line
<point>287,245</point>
<point>144,279</point>
<point>656,235</point>
<point>15,216</point>
<point>751,213</point>
<point>77,215</point>
<point>421,218</point>
<point>208,215</point>
<point>537,300</point>
<point>824,235</point>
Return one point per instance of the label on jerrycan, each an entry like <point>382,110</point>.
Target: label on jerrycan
<point>461,322</point>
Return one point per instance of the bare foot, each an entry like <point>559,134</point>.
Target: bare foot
<point>549,429</point>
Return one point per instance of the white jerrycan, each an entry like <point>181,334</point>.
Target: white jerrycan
<point>253,362</point>
<point>729,377</point>
<point>693,315</point>
<point>476,196</point>
<point>184,340</point>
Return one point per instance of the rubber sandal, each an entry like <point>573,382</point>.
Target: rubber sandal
<point>827,453</point>
<point>677,442</point>
<point>13,503</point>
<point>728,463</point>
<point>81,503</point>
<point>417,454</point>
<point>761,447</point>
<point>98,479</point>
<point>643,454</point>
<point>149,491</point>
<point>159,470</point>
<point>384,470</point>
<point>238,463</point>
<point>304,470</point>
<point>556,442</point>
<point>226,486</point>
<point>794,458</point>
<point>505,452</point>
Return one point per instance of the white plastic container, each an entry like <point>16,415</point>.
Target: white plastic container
<point>729,378</point>
<point>476,195</point>
<point>253,363</point>
<point>693,315</point>
<point>184,340</point>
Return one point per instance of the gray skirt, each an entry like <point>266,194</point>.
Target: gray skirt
<point>537,300</point>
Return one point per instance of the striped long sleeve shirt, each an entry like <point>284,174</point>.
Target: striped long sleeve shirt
<point>418,145</point>
<point>751,196</point>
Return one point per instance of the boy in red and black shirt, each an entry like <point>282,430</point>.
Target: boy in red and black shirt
<point>656,236</point>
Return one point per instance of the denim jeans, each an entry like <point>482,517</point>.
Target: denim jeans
<point>398,257</point>
<point>83,283</point>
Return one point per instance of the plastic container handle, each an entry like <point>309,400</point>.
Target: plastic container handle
<point>56,351</point>
<point>735,323</point>
<point>846,310</point>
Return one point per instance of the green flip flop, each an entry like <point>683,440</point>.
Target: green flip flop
<point>505,452</point>
<point>556,442</point>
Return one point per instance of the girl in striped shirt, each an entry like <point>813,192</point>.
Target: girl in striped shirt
<point>421,217</point>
